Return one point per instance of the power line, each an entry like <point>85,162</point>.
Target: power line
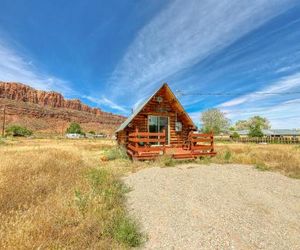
<point>181,93</point>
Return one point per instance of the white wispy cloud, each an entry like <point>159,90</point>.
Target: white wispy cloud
<point>106,102</point>
<point>277,108</point>
<point>277,114</point>
<point>17,67</point>
<point>287,83</point>
<point>288,68</point>
<point>182,35</point>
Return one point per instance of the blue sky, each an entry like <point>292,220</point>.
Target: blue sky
<point>113,54</point>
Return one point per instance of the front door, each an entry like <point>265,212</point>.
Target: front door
<point>158,124</point>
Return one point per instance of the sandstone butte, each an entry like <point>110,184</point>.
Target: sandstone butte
<point>44,111</point>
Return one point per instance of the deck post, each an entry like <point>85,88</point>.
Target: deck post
<point>164,143</point>
<point>136,144</point>
<point>212,141</point>
<point>191,141</point>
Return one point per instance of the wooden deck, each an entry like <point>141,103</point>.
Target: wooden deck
<point>147,146</point>
<point>180,153</point>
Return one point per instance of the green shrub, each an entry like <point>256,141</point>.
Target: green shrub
<point>255,131</point>
<point>81,200</point>
<point>110,190</point>
<point>227,156</point>
<point>74,128</point>
<point>104,183</point>
<point>204,160</point>
<point>235,135</point>
<point>126,231</point>
<point>2,142</point>
<point>118,152</point>
<point>166,161</point>
<point>92,132</point>
<point>16,130</point>
<point>261,167</point>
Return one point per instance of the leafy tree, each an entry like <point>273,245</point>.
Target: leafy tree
<point>255,131</point>
<point>235,135</point>
<point>74,128</point>
<point>262,122</point>
<point>16,130</point>
<point>242,125</point>
<point>92,132</point>
<point>232,128</point>
<point>214,120</point>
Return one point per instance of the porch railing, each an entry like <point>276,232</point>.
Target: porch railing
<point>201,142</point>
<point>146,142</point>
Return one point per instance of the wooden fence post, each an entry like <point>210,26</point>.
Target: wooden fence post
<point>164,143</point>
<point>136,144</point>
<point>212,141</point>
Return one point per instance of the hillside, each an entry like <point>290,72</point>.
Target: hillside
<point>49,112</point>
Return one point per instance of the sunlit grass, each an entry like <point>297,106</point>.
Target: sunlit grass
<point>273,157</point>
<point>67,194</point>
<point>58,194</point>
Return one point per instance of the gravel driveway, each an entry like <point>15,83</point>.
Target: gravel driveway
<point>215,207</point>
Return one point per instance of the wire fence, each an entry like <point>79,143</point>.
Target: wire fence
<point>269,140</point>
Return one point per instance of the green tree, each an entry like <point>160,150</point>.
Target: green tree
<point>262,122</point>
<point>235,135</point>
<point>74,128</point>
<point>16,130</point>
<point>242,125</point>
<point>214,120</point>
<point>232,129</point>
<point>255,131</point>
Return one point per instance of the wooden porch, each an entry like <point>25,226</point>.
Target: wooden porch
<point>147,146</point>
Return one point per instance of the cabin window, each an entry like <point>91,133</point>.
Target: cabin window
<point>158,124</point>
<point>178,126</point>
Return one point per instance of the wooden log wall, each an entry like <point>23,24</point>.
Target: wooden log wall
<point>163,108</point>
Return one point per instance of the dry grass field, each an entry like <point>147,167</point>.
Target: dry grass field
<point>274,157</point>
<point>58,193</point>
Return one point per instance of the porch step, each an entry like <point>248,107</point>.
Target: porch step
<point>183,156</point>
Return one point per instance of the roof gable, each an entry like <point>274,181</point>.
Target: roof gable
<point>140,107</point>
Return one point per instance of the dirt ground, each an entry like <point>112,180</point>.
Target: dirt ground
<point>215,207</point>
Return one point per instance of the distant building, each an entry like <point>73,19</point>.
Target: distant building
<point>74,136</point>
<point>273,133</point>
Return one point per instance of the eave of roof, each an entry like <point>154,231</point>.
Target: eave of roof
<point>135,112</point>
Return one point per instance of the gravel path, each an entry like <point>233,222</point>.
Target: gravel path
<point>215,207</point>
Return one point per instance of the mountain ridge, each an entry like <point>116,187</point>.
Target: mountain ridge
<point>31,107</point>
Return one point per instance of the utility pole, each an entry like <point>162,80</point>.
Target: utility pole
<point>3,123</point>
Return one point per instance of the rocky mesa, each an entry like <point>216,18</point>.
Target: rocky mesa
<point>24,93</point>
<point>45,111</point>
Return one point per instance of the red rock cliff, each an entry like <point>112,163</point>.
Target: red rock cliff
<point>21,92</point>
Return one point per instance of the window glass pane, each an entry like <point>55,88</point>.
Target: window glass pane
<point>153,124</point>
<point>158,124</point>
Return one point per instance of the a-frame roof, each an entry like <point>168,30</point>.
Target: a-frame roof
<point>140,107</point>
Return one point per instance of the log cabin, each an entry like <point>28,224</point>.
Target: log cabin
<point>161,126</point>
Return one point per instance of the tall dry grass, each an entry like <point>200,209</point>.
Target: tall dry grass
<point>275,157</point>
<point>56,194</point>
